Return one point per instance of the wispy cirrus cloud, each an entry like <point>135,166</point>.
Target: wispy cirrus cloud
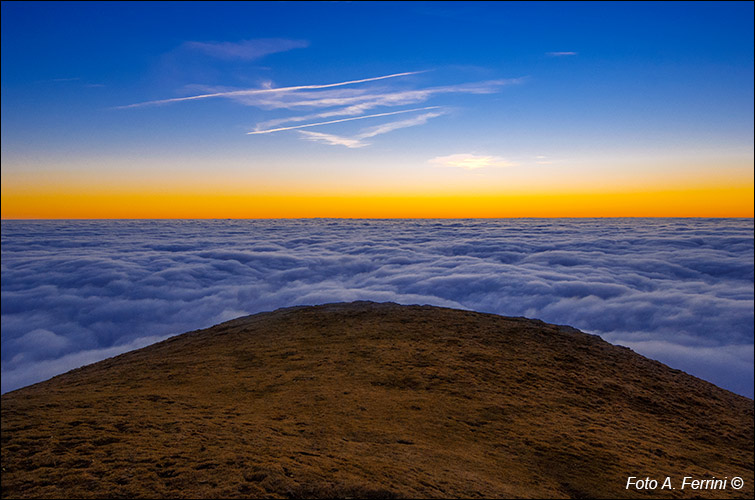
<point>390,127</point>
<point>246,50</point>
<point>561,54</point>
<point>543,160</point>
<point>280,129</point>
<point>235,94</point>
<point>469,161</point>
<point>358,140</point>
<point>332,139</point>
<point>349,102</point>
<point>327,103</point>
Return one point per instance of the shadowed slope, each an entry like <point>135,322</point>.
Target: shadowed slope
<point>374,400</point>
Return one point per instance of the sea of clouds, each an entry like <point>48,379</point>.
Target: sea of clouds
<point>676,290</point>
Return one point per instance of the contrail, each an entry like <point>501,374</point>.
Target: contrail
<point>266,91</point>
<point>339,121</point>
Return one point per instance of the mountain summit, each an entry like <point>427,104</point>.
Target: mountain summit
<point>375,400</point>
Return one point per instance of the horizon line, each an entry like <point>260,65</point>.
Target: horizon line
<point>379,218</point>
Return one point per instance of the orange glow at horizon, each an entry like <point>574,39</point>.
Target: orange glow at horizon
<point>694,202</point>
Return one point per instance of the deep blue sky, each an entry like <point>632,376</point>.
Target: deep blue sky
<point>588,96</point>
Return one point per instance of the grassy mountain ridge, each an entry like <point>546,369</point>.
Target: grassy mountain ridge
<point>374,400</point>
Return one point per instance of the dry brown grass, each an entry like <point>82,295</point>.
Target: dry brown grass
<point>369,400</point>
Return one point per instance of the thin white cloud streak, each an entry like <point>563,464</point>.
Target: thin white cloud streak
<point>543,160</point>
<point>357,101</point>
<point>350,103</point>
<point>469,161</point>
<point>281,129</point>
<point>246,50</point>
<point>237,93</point>
<point>390,127</point>
<point>356,109</point>
<point>560,54</point>
<point>357,141</point>
<point>333,140</point>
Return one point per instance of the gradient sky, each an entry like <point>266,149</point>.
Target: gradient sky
<point>309,109</point>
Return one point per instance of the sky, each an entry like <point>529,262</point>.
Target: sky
<point>376,109</point>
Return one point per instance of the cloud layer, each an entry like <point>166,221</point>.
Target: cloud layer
<point>677,290</point>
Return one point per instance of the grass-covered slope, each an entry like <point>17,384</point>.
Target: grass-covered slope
<point>373,400</point>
